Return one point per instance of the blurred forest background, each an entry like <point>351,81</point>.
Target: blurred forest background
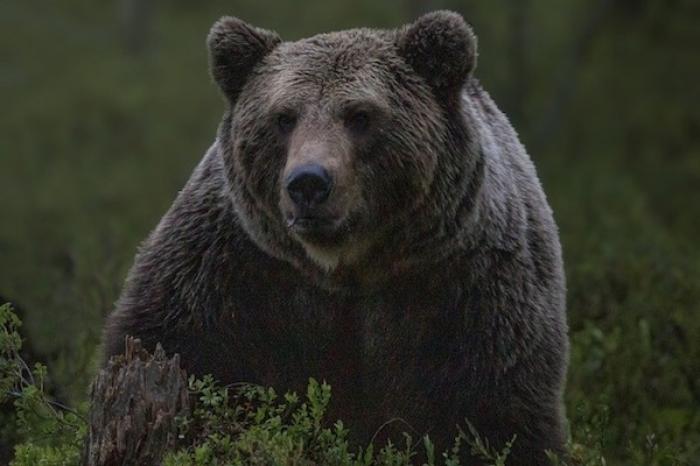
<point>107,107</point>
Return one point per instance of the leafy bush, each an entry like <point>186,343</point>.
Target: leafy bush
<point>254,426</point>
<point>51,433</point>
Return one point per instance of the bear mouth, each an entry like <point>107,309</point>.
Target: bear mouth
<point>310,224</point>
<point>316,229</point>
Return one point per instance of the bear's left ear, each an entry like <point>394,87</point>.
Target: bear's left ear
<point>235,47</point>
<point>441,47</point>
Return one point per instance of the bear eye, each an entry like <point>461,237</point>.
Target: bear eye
<point>358,121</point>
<point>286,122</point>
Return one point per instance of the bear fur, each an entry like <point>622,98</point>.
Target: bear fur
<point>427,287</point>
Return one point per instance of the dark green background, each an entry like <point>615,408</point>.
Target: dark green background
<point>106,106</point>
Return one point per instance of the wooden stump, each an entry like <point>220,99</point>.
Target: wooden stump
<point>134,403</point>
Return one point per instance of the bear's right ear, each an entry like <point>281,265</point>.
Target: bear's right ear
<point>235,47</point>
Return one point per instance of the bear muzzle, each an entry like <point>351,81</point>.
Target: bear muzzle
<point>308,186</point>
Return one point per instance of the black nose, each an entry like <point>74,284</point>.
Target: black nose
<point>309,185</point>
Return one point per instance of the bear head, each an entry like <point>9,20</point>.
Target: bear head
<point>348,154</point>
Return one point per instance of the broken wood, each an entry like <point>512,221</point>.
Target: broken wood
<point>135,401</point>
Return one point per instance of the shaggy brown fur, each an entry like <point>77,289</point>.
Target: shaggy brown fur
<point>428,286</point>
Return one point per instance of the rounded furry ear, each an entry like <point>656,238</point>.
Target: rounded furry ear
<point>441,47</point>
<point>235,47</point>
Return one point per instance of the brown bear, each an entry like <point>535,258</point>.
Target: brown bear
<point>366,216</point>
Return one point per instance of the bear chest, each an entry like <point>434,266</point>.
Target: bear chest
<point>390,341</point>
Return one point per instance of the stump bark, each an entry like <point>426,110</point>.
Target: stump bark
<point>134,404</point>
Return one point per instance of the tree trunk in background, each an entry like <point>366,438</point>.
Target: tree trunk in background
<point>566,81</point>
<point>137,23</point>
<point>134,403</point>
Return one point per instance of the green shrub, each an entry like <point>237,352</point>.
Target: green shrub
<point>51,434</point>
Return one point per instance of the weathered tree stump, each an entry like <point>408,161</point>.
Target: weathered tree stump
<point>134,403</point>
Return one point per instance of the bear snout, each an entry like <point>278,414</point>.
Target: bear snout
<point>307,207</point>
<point>308,186</point>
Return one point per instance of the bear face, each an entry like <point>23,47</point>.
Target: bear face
<point>335,143</point>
